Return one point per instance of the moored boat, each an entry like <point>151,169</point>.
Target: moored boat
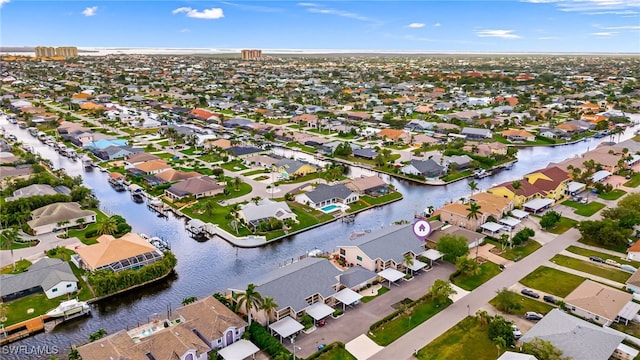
<point>69,308</point>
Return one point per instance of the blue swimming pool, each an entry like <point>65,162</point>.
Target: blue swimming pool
<point>330,208</point>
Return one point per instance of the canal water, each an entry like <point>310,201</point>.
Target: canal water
<point>207,267</point>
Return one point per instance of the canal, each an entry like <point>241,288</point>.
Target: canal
<point>207,267</point>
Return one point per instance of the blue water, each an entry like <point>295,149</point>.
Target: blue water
<point>330,208</point>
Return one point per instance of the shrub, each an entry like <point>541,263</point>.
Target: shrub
<point>307,321</point>
<point>265,341</point>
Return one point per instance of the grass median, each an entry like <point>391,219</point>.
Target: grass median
<point>552,281</point>
<point>591,268</point>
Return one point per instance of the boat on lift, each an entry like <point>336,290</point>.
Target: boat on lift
<point>70,308</point>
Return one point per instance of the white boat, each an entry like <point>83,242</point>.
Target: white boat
<point>70,307</point>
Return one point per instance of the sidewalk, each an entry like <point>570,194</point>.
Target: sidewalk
<point>584,274</point>
<point>602,250</point>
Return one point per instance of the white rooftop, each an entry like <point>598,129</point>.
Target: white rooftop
<point>519,214</point>
<point>537,204</point>
<point>629,310</point>
<point>286,327</point>
<point>432,254</point>
<point>415,265</point>
<point>240,349</point>
<point>491,226</point>
<point>319,310</point>
<point>509,221</point>
<point>391,274</point>
<point>347,296</point>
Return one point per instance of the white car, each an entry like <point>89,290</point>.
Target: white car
<point>516,332</point>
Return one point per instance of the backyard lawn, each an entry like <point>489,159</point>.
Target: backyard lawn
<point>79,233</point>
<point>487,271</point>
<point>552,281</point>
<point>381,291</point>
<point>563,225</point>
<point>255,172</point>
<point>634,182</point>
<point>591,268</point>
<point>466,340</point>
<point>613,195</point>
<point>587,252</point>
<point>234,165</point>
<point>19,310</point>
<point>21,265</point>
<point>584,209</point>
<point>520,251</point>
<point>527,304</point>
<point>621,248</point>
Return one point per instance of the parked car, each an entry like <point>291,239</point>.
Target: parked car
<point>530,293</point>
<point>612,262</point>
<point>596,259</point>
<point>550,299</point>
<point>530,315</point>
<point>628,268</point>
<point>517,334</point>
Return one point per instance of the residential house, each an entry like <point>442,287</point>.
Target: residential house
<point>380,250</point>
<point>476,134</point>
<point>115,152</point>
<point>426,168</point>
<point>54,277</point>
<point>365,153</point>
<point>490,205</point>
<point>135,159</point>
<point>440,229</point>
<point>390,134</point>
<point>419,125</point>
<point>14,172</point>
<point>600,303</point>
<point>633,251</point>
<point>223,144</point>
<point>370,185</point>
<point>58,216</point>
<point>265,161</point>
<point>130,251</point>
<point>588,108</point>
<point>518,135</point>
<point>32,190</point>
<point>253,214</point>
<point>152,167</point>
<point>633,283</point>
<point>197,187</point>
<point>241,152</point>
<point>579,339</point>
<point>324,195</point>
<point>551,182</point>
<point>290,168</point>
<point>171,175</point>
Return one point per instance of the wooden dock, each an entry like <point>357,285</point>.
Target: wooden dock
<point>22,329</point>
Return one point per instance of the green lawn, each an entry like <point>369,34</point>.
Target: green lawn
<point>21,266</point>
<point>563,225</point>
<point>592,268</point>
<point>381,291</point>
<point>18,310</point>
<point>299,179</point>
<point>466,340</point>
<point>256,172</point>
<point>19,245</point>
<point>394,329</point>
<point>621,248</point>
<point>456,175</point>
<point>613,195</point>
<point>234,165</point>
<point>584,209</point>
<point>634,181</point>
<point>305,148</point>
<point>487,271</point>
<point>79,233</point>
<point>552,281</point>
<point>370,200</point>
<point>278,121</point>
<point>335,353</point>
<point>586,252</point>
<point>528,304</point>
<point>210,158</point>
<point>164,155</point>
<point>521,251</point>
<point>189,151</point>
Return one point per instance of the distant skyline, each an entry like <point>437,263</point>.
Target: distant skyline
<point>588,26</point>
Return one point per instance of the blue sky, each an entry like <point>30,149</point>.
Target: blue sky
<point>499,26</point>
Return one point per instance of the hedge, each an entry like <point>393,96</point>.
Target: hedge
<point>259,335</point>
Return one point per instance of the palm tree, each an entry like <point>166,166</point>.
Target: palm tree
<point>408,259</point>
<point>249,300</point>
<point>107,226</point>
<point>237,182</point>
<point>7,238</point>
<point>483,318</point>
<point>269,306</point>
<point>256,199</point>
<point>473,186</point>
<point>474,211</point>
<point>208,206</point>
<point>516,185</point>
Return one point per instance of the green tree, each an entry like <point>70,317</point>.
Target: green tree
<point>108,226</point>
<point>473,186</point>
<point>441,291</point>
<point>499,327</point>
<point>507,301</point>
<point>269,306</point>
<point>467,267</point>
<point>208,206</point>
<point>236,183</point>
<point>605,232</point>
<point>7,238</point>
<point>483,318</point>
<point>474,211</point>
<point>453,247</point>
<point>543,350</point>
<point>99,334</point>
<point>549,220</point>
<point>249,300</point>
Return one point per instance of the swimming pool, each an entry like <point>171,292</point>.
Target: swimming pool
<point>330,208</point>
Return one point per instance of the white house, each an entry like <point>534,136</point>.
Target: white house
<point>59,216</point>
<point>51,276</point>
<point>324,195</point>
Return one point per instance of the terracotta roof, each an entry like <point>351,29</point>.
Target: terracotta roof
<point>598,299</point>
<point>456,208</point>
<point>391,133</point>
<point>109,249</point>
<point>172,175</point>
<point>91,106</point>
<point>635,247</point>
<point>556,176</point>
<point>195,186</point>
<point>210,317</point>
<point>514,132</point>
<point>491,204</point>
<point>152,165</point>
<point>202,113</point>
<point>221,143</point>
<point>141,157</point>
<point>57,212</point>
<point>366,183</point>
<point>526,190</point>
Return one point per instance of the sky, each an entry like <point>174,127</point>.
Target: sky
<point>475,26</point>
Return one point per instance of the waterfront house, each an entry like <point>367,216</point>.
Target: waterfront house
<point>324,195</point>
<point>384,249</point>
<point>172,175</point>
<point>152,167</point>
<point>476,134</point>
<point>288,168</point>
<point>54,277</point>
<point>579,339</point>
<point>253,214</point>
<point>519,196</point>
<point>32,190</point>
<point>490,205</point>
<point>14,172</point>
<point>130,251</point>
<point>135,159</point>
<point>58,216</point>
<point>601,303</point>
<point>426,168</point>
<point>115,152</point>
<point>371,185</point>
<point>551,182</point>
<point>198,187</point>
<point>518,135</point>
<point>440,229</point>
<point>212,322</point>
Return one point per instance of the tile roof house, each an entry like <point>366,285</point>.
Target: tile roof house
<point>324,195</point>
<point>53,276</point>
<point>198,187</point>
<point>172,175</point>
<point>597,302</point>
<point>115,152</point>
<point>551,181</point>
<point>291,168</point>
<point>390,134</point>
<point>135,159</point>
<point>253,214</point>
<point>518,135</point>
<point>20,171</point>
<point>370,185</point>
<point>220,143</point>
<point>426,168</point>
<point>117,254</point>
<point>633,251</point>
<point>633,282</point>
<point>32,190</point>
<point>59,216</point>
<point>152,167</point>
<point>579,339</point>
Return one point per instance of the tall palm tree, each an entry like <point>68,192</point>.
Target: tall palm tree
<point>269,306</point>
<point>237,182</point>
<point>208,206</point>
<point>7,238</point>
<point>516,185</point>
<point>474,211</point>
<point>249,300</point>
<point>473,186</point>
<point>108,226</point>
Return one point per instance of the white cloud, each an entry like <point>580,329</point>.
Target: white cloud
<point>213,13</point>
<point>185,30</point>
<point>308,4</point>
<point>341,13</point>
<point>437,25</point>
<point>591,7</point>
<point>416,25</point>
<point>623,27</point>
<point>2,2</point>
<point>503,34</point>
<point>604,33</point>
<point>90,11</point>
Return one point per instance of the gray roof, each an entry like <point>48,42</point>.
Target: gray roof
<point>390,243</point>
<point>45,273</point>
<point>427,166</point>
<point>475,131</point>
<point>32,190</point>
<point>365,153</point>
<point>576,338</point>
<point>266,209</point>
<point>290,165</point>
<point>324,192</point>
<point>355,276</point>
<point>292,284</point>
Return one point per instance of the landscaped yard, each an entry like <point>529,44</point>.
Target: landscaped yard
<point>21,265</point>
<point>527,304</point>
<point>255,172</point>
<point>584,209</point>
<point>456,175</point>
<point>592,268</point>
<point>621,248</point>
<point>634,181</point>
<point>366,201</point>
<point>487,271</point>
<point>466,340</point>
<point>19,245</point>
<point>563,225</point>
<point>521,251</point>
<point>552,281</point>
<point>80,233</point>
<point>234,165</point>
<point>394,329</point>
<point>613,195</point>
<point>335,353</point>
<point>18,310</point>
<point>381,291</point>
<point>587,252</point>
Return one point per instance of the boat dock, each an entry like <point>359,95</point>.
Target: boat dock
<point>22,330</point>
<point>158,207</point>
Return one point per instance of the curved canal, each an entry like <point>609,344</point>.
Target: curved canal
<point>207,267</point>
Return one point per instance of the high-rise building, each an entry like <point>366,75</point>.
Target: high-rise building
<point>252,54</point>
<point>63,51</point>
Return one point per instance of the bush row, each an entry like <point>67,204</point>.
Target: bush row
<point>259,335</point>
